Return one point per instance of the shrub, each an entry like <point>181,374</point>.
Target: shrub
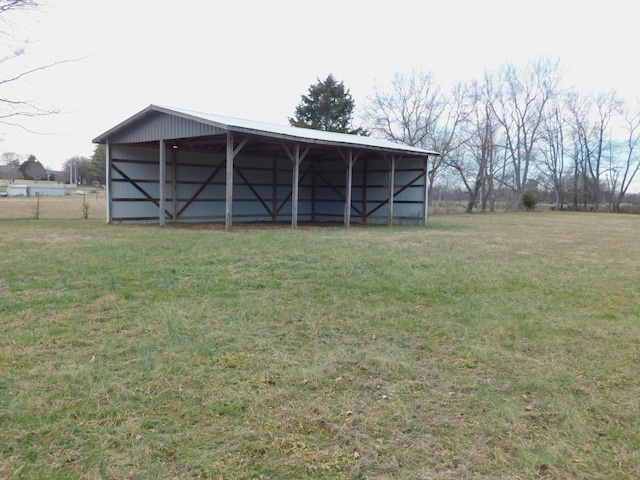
<point>529,200</point>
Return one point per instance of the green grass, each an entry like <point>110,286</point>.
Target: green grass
<point>483,346</point>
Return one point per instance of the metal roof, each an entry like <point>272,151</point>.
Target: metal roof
<point>230,124</point>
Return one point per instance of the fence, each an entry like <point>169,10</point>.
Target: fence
<point>93,205</point>
<point>69,207</point>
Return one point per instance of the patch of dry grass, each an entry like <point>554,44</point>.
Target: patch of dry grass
<point>53,208</point>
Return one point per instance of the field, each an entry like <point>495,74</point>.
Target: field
<point>481,347</point>
<point>68,207</point>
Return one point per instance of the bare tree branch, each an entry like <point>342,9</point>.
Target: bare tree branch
<point>13,106</point>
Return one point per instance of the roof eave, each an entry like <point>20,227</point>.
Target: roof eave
<point>104,137</point>
<point>100,139</point>
<point>316,141</point>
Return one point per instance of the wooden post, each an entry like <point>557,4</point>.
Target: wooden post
<point>108,181</point>
<point>365,180</point>
<point>314,185</point>
<point>174,183</point>
<point>229,189</point>
<point>274,190</point>
<point>392,181</point>
<point>347,205</point>
<point>426,190</point>
<point>295,186</point>
<point>161,181</point>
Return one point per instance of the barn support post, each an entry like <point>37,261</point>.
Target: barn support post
<point>314,186</point>
<point>426,190</point>
<point>174,184</point>
<point>274,190</point>
<point>295,187</point>
<point>365,180</point>
<point>392,181</point>
<point>229,187</point>
<point>161,182</point>
<point>108,181</point>
<point>347,203</point>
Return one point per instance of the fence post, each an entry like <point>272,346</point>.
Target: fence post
<point>85,207</point>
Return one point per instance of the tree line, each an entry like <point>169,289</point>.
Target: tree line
<point>515,133</point>
<point>78,169</point>
<point>517,129</point>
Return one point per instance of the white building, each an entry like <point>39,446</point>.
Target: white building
<point>17,190</point>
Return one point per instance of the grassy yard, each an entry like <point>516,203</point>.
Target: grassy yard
<point>481,347</point>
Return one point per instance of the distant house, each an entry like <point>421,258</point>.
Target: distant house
<point>17,190</point>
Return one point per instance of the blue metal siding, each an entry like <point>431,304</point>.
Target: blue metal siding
<point>159,126</point>
<point>322,189</point>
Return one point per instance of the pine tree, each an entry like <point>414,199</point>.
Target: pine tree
<point>32,169</point>
<point>328,106</point>
<point>97,164</point>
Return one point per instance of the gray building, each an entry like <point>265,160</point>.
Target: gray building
<point>173,165</point>
<point>45,189</point>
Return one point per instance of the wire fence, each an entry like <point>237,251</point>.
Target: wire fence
<point>93,205</point>
<point>68,207</point>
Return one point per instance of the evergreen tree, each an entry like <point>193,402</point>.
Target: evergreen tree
<point>32,169</point>
<point>97,164</point>
<point>328,106</point>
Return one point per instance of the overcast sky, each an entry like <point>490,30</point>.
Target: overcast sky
<point>254,59</point>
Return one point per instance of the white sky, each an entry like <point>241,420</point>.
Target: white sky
<point>253,59</point>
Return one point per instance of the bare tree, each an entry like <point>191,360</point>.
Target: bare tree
<point>416,111</point>
<point>606,106</point>
<point>518,100</point>
<point>552,165</point>
<point>407,112</point>
<point>450,132</point>
<point>624,170</point>
<point>589,119</point>
<point>579,107</point>
<point>10,158</point>
<point>473,160</point>
<point>10,166</point>
<point>15,109</point>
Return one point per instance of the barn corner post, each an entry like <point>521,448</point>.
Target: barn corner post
<point>426,190</point>
<point>161,183</point>
<point>108,181</point>
<point>228,212</point>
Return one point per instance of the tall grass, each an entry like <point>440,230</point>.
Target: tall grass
<point>497,346</point>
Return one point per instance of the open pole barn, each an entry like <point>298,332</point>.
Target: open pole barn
<point>172,165</point>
